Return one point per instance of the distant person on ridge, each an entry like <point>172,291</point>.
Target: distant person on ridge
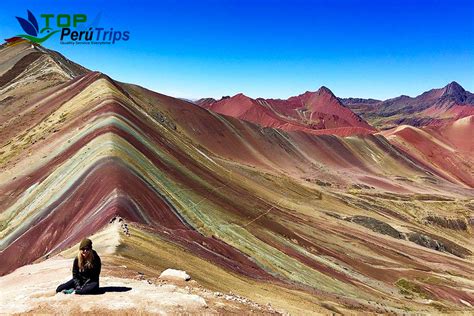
<point>85,271</point>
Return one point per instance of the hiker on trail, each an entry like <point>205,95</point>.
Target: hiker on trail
<point>85,271</point>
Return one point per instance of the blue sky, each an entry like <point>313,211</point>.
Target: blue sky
<point>273,49</point>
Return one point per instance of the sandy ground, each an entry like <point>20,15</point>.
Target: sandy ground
<point>31,289</point>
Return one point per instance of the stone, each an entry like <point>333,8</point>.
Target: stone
<point>175,274</point>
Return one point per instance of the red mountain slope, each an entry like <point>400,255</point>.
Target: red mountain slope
<point>317,112</point>
<point>445,149</point>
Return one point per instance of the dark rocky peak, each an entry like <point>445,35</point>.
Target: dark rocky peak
<point>454,89</point>
<point>456,92</point>
<point>325,91</point>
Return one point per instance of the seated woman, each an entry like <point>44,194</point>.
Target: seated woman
<point>85,271</point>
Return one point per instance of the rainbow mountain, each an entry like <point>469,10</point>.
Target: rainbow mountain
<point>379,222</point>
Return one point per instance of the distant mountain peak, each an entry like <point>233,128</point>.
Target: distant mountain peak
<point>454,84</point>
<point>323,101</point>
<point>240,95</point>
<point>239,98</point>
<point>325,90</point>
<point>454,88</point>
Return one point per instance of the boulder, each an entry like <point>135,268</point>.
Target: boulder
<point>450,223</point>
<point>438,243</point>
<point>175,275</point>
<point>376,226</point>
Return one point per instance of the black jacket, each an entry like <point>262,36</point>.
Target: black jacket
<point>88,275</point>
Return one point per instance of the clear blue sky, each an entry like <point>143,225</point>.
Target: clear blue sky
<point>276,49</point>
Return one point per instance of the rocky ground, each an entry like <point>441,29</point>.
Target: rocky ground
<point>123,290</point>
<point>31,290</point>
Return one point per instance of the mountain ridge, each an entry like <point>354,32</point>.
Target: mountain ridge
<point>432,107</point>
<point>435,106</point>
<point>314,112</point>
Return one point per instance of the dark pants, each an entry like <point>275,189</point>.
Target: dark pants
<point>88,288</point>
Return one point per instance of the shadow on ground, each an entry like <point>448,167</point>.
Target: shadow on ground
<point>105,289</point>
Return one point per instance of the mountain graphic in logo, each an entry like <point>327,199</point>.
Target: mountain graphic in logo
<point>31,28</point>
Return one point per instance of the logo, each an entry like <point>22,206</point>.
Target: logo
<point>72,29</point>
<point>31,28</point>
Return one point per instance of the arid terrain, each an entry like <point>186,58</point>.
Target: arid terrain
<point>310,205</point>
